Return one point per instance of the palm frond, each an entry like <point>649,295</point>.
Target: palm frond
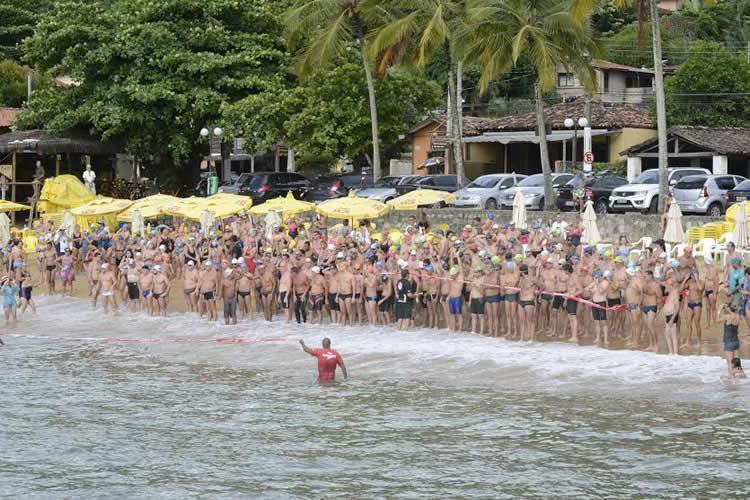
<point>330,42</point>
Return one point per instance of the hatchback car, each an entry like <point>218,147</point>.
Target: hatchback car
<point>532,188</point>
<point>741,192</point>
<point>704,194</point>
<point>486,191</point>
<point>328,187</point>
<point>262,186</point>
<point>385,188</point>
<point>597,189</point>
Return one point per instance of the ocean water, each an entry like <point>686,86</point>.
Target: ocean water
<point>171,414</point>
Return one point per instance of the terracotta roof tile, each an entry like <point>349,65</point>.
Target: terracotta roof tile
<point>8,115</point>
<point>722,140</point>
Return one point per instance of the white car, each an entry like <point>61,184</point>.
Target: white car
<point>486,191</point>
<point>642,195</point>
<point>532,188</point>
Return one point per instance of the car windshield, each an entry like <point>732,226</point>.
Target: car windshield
<point>242,179</point>
<point>743,186</point>
<point>485,182</point>
<point>326,182</point>
<point>386,182</point>
<point>532,181</point>
<point>648,177</point>
<point>255,182</point>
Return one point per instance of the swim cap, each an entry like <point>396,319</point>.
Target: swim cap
<point>453,271</point>
<point>674,263</point>
<point>619,259</point>
<point>598,273</point>
<point>316,269</point>
<point>588,250</point>
<point>479,269</point>
<point>518,257</point>
<point>495,260</point>
<point>607,273</point>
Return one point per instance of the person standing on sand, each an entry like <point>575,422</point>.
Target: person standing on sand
<point>106,285</point>
<point>160,291</point>
<point>328,360</point>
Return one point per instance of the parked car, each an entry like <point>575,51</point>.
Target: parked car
<point>705,194</point>
<point>447,183</point>
<point>337,186</point>
<point>598,188</point>
<point>233,186</point>
<point>486,191</point>
<point>385,188</point>
<point>262,186</point>
<point>642,195</point>
<point>532,188</point>
<point>741,192</point>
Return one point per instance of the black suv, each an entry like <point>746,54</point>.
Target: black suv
<point>262,186</point>
<point>446,182</point>
<point>337,186</point>
<point>597,189</point>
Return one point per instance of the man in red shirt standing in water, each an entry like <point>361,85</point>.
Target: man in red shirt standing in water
<point>328,360</point>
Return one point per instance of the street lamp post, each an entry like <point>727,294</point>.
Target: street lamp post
<point>582,122</point>
<point>226,171</point>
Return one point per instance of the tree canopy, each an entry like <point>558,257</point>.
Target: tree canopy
<point>17,21</point>
<point>154,72</point>
<point>711,88</point>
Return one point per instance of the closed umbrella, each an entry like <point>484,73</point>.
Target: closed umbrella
<point>206,220</point>
<point>740,227</point>
<point>519,210</point>
<point>4,230</point>
<point>68,222</point>
<point>674,232</point>
<point>271,219</point>
<point>591,234</point>
<point>137,221</point>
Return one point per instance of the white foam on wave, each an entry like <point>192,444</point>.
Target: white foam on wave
<point>378,351</point>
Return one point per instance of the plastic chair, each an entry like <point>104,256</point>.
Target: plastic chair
<point>712,231</point>
<point>695,234</point>
<point>705,247</point>
<point>678,250</point>
<point>721,248</point>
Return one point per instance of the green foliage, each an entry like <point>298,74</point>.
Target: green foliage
<point>327,115</point>
<point>13,78</point>
<point>17,21</point>
<point>711,70</point>
<point>608,19</point>
<point>618,168</point>
<point>154,72</point>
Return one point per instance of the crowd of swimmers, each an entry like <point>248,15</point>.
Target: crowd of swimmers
<point>488,278</point>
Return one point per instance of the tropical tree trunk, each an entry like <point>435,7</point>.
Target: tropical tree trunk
<point>460,123</point>
<point>458,153</point>
<point>661,106</point>
<point>376,172</point>
<point>549,196</point>
<point>448,132</point>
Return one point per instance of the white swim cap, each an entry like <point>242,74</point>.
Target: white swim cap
<point>227,272</point>
<point>316,269</point>
<point>131,261</point>
<point>157,267</point>
<point>162,248</point>
<point>105,265</point>
<point>190,263</point>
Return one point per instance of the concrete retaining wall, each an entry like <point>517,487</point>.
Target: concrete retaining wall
<point>611,226</point>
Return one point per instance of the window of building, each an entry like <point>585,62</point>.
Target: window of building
<point>566,80</point>
<point>638,80</point>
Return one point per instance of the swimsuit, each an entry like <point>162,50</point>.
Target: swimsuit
<point>132,290</point>
<point>316,302</point>
<point>668,318</point>
<point>731,339</point>
<point>243,294</point>
<point>492,299</point>
<point>476,306</point>
<point>633,307</point>
<point>511,297</point>
<point>600,314</point>
<point>648,309</point>
<point>455,304</point>
<point>26,293</point>
<point>284,300</point>
<point>333,304</point>
<point>571,306</point>
<point>557,302</point>
<point>208,295</point>
<point>708,293</point>
<point>693,305</point>
<point>230,307</point>
<point>526,303</point>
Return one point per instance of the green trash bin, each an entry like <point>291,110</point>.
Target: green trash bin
<point>213,185</point>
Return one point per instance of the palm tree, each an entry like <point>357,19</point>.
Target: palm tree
<point>321,31</point>
<point>497,33</point>
<point>419,29</point>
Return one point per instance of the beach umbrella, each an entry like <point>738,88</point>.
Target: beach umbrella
<point>150,207</point>
<point>420,198</point>
<point>352,208</point>
<point>100,209</point>
<point>271,219</point>
<point>519,210</point>
<point>286,205</point>
<point>137,222</point>
<point>740,226</point>
<point>9,206</point>
<point>4,230</point>
<point>68,222</point>
<point>206,220</point>
<point>674,232</point>
<point>590,229</point>
<point>221,205</point>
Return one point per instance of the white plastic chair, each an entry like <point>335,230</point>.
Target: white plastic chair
<point>721,247</point>
<point>704,247</point>
<point>678,250</point>
<point>644,243</point>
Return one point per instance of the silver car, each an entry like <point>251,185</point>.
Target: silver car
<point>233,187</point>
<point>704,194</point>
<point>532,188</point>
<point>486,191</point>
<point>384,190</point>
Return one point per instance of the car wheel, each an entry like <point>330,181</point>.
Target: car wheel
<point>714,210</point>
<point>541,204</point>
<point>654,206</point>
<point>490,204</point>
<point>600,207</point>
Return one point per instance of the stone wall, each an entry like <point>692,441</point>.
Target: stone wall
<point>611,226</point>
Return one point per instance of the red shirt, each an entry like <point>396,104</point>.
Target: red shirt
<point>328,360</point>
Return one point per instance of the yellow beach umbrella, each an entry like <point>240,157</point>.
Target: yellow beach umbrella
<point>221,205</point>
<point>9,206</point>
<point>63,191</point>
<point>421,198</point>
<point>101,208</point>
<point>352,208</point>
<point>150,207</point>
<point>286,205</point>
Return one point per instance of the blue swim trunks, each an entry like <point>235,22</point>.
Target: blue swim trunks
<point>455,305</point>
